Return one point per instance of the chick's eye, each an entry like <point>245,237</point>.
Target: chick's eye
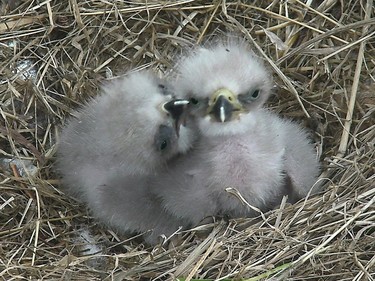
<point>163,138</point>
<point>194,101</point>
<point>163,145</point>
<point>255,94</point>
<point>249,97</point>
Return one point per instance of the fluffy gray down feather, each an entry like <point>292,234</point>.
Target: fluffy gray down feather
<point>110,156</point>
<point>254,153</point>
<point>118,144</point>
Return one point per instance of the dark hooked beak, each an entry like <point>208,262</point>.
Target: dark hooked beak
<point>223,104</point>
<point>177,110</point>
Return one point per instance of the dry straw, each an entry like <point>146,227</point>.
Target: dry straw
<point>54,55</point>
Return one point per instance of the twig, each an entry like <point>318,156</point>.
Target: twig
<point>353,96</point>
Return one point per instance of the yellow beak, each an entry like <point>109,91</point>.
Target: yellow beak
<point>223,104</point>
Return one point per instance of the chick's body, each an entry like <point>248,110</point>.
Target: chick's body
<point>196,185</point>
<point>117,144</point>
<point>241,145</point>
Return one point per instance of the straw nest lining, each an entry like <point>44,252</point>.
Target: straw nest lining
<point>54,55</point>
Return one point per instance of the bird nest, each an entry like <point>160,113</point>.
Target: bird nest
<point>54,55</point>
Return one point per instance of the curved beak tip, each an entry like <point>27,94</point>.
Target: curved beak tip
<point>222,109</point>
<point>222,114</point>
<point>176,108</point>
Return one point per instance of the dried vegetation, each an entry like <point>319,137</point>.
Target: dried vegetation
<point>53,55</point>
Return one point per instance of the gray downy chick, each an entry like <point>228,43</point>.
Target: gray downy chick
<point>118,143</point>
<point>242,145</point>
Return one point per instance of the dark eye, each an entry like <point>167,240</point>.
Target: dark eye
<point>164,137</point>
<point>194,101</point>
<point>249,97</point>
<point>255,94</point>
<point>163,145</point>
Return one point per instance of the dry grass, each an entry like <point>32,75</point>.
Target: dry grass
<point>54,55</point>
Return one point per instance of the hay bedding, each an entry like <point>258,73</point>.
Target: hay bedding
<point>54,55</point>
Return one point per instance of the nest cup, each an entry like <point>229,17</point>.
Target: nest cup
<point>54,57</point>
